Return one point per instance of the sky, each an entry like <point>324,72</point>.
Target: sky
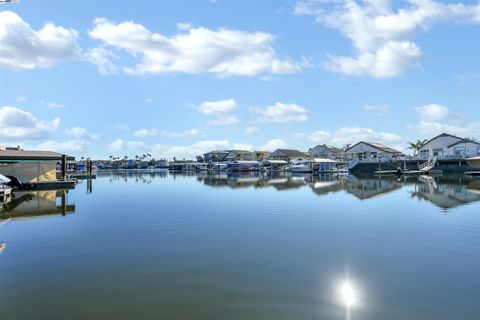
<point>180,78</point>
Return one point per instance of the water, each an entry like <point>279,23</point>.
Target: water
<point>164,246</point>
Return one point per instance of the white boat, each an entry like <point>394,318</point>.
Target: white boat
<point>5,190</point>
<point>302,167</point>
<point>275,165</point>
<point>217,166</point>
<point>161,164</point>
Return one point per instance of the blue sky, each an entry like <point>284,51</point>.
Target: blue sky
<point>178,78</point>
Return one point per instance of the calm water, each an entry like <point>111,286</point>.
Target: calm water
<point>164,246</point>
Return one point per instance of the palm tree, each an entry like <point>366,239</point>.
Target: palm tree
<point>472,139</point>
<point>416,146</point>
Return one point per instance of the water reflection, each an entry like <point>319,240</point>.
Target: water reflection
<point>139,176</point>
<point>445,192</point>
<point>36,204</point>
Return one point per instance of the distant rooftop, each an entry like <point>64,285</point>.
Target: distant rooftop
<point>19,155</point>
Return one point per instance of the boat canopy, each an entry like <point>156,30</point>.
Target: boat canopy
<point>318,160</point>
<point>275,161</point>
<point>253,163</point>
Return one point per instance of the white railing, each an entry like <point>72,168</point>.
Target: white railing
<point>428,165</point>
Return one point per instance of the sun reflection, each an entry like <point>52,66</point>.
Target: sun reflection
<point>348,294</point>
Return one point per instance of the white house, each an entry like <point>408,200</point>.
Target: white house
<point>324,151</point>
<point>371,151</point>
<point>446,146</point>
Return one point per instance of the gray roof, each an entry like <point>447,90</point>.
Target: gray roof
<point>376,145</point>
<point>330,148</point>
<point>442,135</point>
<point>463,141</point>
<point>291,152</point>
<point>31,155</point>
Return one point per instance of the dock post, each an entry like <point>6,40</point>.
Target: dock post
<point>64,167</point>
<point>89,167</point>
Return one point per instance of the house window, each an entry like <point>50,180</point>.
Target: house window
<point>438,152</point>
<point>478,150</point>
<point>424,153</point>
<point>459,152</point>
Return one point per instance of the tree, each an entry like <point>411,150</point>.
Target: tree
<point>199,158</point>
<point>472,139</point>
<point>416,146</point>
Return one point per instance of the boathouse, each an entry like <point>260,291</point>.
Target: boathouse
<point>448,146</point>
<point>31,166</point>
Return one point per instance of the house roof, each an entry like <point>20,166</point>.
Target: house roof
<point>377,146</point>
<point>442,135</point>
<point>291,152</point>
<point>329,148</point>
<point>463,141</point>
<point>31,155</point>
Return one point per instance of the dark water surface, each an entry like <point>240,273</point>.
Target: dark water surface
<point>164,246</point>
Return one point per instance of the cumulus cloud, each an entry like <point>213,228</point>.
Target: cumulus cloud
<point>378,110</point>
<point>226,121</point>
<point>147,133</point>
<point>436,119</point>
<point>220,107</point>
<point>433,112</point>
<point>223,52</point>
<point>102,58</point>
<point>125,146</point>
<point>52,105</point>
<point>382,33</point>
<point>351,135</point>
<point>252,130</point>
<point>70,146</point>
<point>22,47</point>
<point>274,144</point>
<point>281,113</point>
<point>17,124</point>
<point>81,133</point>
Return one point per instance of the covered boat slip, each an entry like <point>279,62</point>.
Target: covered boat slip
<point>275,165</point>
<point>36,167</point>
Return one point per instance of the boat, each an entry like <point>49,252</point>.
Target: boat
<point>240,165</point>
<point>5,189</point>
<point>217,166</point>
<point>275,165</point>
<point>304,166</point>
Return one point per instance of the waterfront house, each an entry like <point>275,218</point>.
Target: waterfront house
<point>240,155</point>
<point>448,146</point>
<point>289,155</point>
<point>371,151</point>
<point>215,156</point>
<point>328,152</point>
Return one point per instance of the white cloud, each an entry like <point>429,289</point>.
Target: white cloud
<point>21,99</point>
<point>52,105</point>
<point>220,107</point>
<point>382,33</point>
<point>226,121</point>
<point>223,52</point>
<point>70,146</point>
<point>316,137</point>
<point>22,47</point>
<point>433,112</point>
<point>81,134</point>
<point>274,144</point>
<point>102,58</point>
<point>126,146</point>
<point>252,130</point>
<point>148,100</point>
<point>436,119</point>
<point>184,26</point>
<point>16,123</point>
<point>352,135</point>
<point>378,110</point>
<point>146,133</point>
<point>281,113</point>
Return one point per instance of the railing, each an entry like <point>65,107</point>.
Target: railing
<point>427,166</point>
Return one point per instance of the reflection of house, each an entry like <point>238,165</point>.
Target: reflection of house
<point>446,146</point>
<point>30,166</point>
<point>36,204</point>
<point>371,151</point>
<point>324,151</point>
<point>366,188</point>
<point>288,155</point>
<point>447,196</point>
